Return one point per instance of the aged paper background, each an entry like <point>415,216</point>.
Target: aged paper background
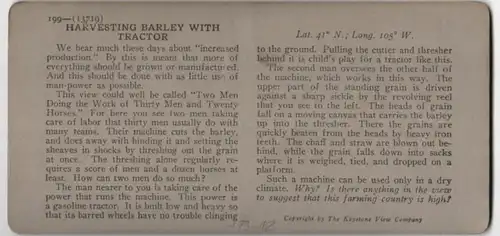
<point>250,25</point>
